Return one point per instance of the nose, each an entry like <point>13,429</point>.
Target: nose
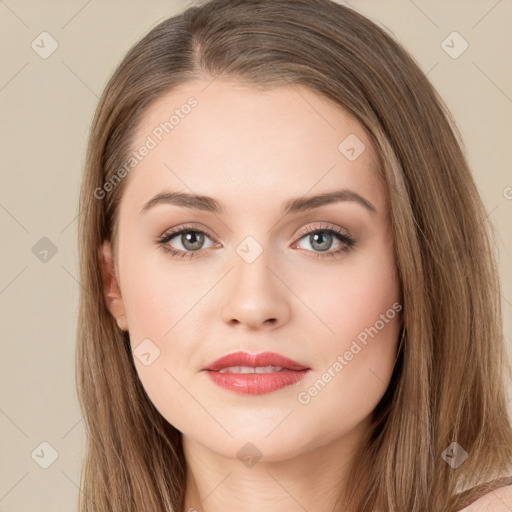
<point>254,295</point>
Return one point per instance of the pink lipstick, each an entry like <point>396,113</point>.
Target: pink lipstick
<point>255,374</point>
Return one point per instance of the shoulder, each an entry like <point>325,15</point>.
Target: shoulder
<point>499,500</point>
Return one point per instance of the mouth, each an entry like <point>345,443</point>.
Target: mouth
<point>255,374</point>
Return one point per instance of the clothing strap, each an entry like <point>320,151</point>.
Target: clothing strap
<point>482,490</point>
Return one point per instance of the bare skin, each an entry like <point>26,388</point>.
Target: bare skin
<point>252,151</point>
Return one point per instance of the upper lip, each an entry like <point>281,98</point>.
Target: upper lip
<point>254,360</point>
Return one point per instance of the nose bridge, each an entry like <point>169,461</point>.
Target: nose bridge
<point>251,261</point>
<point>255,295</point>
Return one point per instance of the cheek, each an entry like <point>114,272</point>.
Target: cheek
<point>360,311</point>
<point>350,298</point>
<point>156,295</point>
<point>162,304</point>
<point>159,306</point>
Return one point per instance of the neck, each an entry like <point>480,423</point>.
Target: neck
<point>312,480</point>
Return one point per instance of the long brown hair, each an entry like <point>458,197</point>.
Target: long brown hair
<point>447,384</point>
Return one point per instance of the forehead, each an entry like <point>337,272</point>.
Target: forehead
<point>228,139</point>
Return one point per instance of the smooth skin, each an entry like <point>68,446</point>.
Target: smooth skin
<point>252,151</point>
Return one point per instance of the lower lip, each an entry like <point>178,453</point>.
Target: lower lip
<point>256,383</point>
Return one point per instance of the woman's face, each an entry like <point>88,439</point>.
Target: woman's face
<point>315,283</point>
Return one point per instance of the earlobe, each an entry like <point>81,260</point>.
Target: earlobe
<point>111,288</point>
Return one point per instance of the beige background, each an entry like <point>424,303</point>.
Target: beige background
<point>47,106</point>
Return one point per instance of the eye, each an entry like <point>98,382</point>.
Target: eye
<point>321,237</point>
<point>191,241</point>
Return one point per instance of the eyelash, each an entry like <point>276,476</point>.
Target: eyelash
<point>348,241</point>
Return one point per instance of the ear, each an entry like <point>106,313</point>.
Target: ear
<point>111,288</point>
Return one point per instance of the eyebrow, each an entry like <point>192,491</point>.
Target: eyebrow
<point>300,204</point>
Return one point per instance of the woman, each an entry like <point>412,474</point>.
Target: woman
<point>290,298</point>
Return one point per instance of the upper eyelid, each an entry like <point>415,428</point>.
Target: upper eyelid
<point>184,228</point>
<point>323,226</point>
